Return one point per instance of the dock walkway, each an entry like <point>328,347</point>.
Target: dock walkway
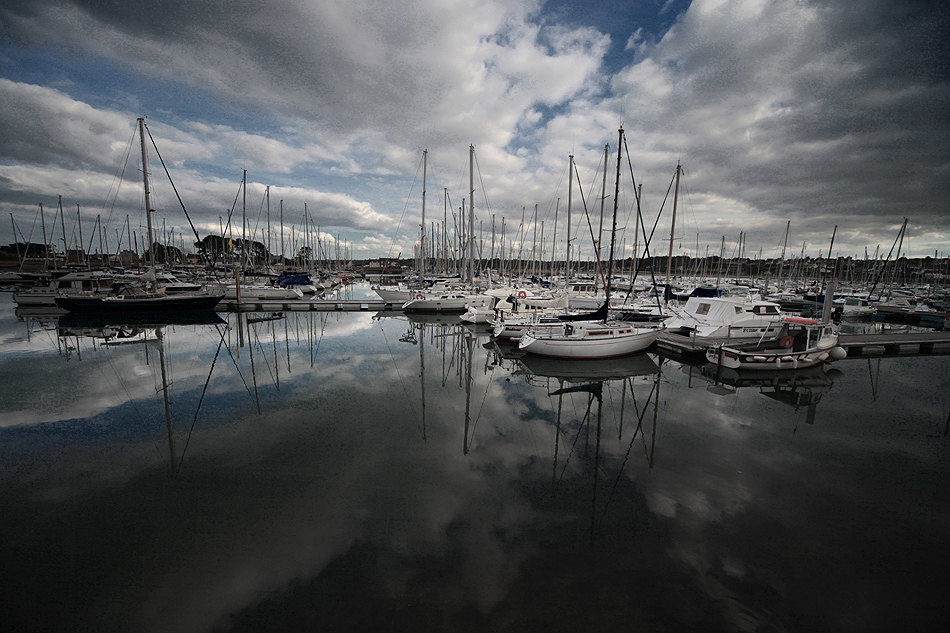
<point>857,345</point>
<point>307,305</point>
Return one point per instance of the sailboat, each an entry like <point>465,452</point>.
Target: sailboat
<point>134,298</point>
<point>449,300</point>
<point>603,338</point>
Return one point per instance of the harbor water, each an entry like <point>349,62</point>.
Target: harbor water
<point>357,471</point>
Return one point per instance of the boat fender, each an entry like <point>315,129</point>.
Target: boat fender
<point>522,294</point>
<point>786,341</point>
<point>838,353</point>
<point>801,320</point>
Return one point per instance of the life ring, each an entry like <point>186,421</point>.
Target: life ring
<point>786,342</point>
<point>522,294</point>
<point>419,296</point>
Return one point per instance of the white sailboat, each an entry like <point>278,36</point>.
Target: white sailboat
<point>584,339</point>
<point>451,300</point>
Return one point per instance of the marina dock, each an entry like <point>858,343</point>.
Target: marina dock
<point>857,345</point>
<point>321,305</point>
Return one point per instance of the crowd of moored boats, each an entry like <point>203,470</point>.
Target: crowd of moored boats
<point>745,327</point>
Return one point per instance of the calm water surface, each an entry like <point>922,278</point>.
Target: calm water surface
<point>359,472</point>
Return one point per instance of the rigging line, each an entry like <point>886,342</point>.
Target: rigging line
<point>200,400</point>
<point>481,406</point>
<point>646,246</point>
<point>481,182</point>
<point>261,347</point>
<point>584,422</point>
<point>600,266</point>
<point>120,176</point>
<point>131,400</point>
<point>177,195</point>
<point>627,454</point>
<point>234,360</point>
<point>395,364</point>
<point>415,176</point>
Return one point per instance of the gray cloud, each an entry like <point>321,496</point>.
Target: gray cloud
<point>821,113</point>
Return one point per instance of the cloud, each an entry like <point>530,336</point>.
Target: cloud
<point>44,125</point>
<point>779,110</point>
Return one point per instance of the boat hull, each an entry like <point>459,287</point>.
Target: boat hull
<point>139,305</point>
<point>445,303</point>
<point>589,341</point>
<point>735,358</point>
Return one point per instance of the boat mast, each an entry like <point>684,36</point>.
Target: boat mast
<point>471,214</point>
<point>422,231</point>
<point>613,228</point>
<point>603,198</point>
<point>669,260</point>
<point>148,196</point>
<point>570,196</point>
<point>781,268</point>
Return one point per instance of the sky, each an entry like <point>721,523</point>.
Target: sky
<point>800,125</point>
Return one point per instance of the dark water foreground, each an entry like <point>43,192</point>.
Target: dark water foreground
<point>341,472</point>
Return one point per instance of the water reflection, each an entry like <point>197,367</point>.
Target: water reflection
<point>352,470</point>
<point>795,388</point>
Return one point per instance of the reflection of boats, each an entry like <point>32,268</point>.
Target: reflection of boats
<point>433,317</point>
<point>588,370</point>
<point>76,321</point>
<point>150,333</point>
<point>800,343</point>
<point>140,303</point>
<point>796,388</point>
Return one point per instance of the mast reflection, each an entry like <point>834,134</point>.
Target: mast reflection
<point>149,331</point>
<point>593,379</point>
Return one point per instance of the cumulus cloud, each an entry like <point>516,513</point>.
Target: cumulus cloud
<point>779,109</point>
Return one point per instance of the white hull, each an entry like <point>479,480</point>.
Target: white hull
<point>393,295</point>
<point>728,317</point>
<point>589,340</point>
<point>263,292</point>
<point>514,329</point>
<point>478,315</point>
<point>446,302</point>
<point>782,353</point>
<point>731,358</point>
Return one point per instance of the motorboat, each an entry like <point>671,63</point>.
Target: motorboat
<point>727,317</point>
<point>800,343</point>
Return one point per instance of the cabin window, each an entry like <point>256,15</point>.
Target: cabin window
<point>703,308</point>
<point>771,310</point>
